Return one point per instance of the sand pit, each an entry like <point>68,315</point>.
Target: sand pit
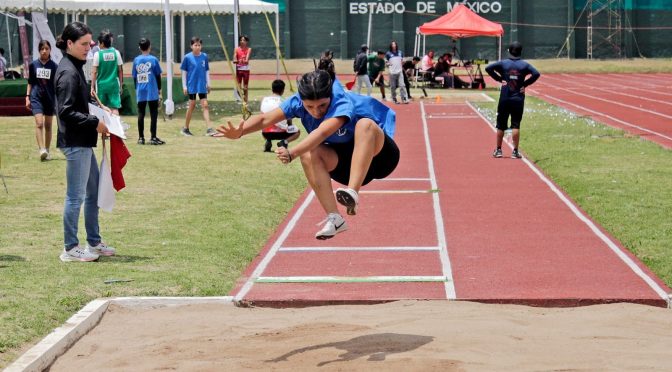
<point>405,335</point>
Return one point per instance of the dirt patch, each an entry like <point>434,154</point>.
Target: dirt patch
<point>405,335</point>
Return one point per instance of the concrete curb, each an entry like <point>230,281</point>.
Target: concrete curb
<point>42,355</point>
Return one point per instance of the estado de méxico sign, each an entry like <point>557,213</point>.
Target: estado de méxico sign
<point>389,7</point>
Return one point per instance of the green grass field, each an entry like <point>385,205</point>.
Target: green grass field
<point>197,210</point>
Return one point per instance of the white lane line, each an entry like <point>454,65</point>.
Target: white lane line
<point>452,117</point>
<point>438,217</point>
<point>618,81</point>
<point>402,179</point>
<point>591,225</point>
<point>487,97</point>
<point>274,249</point>
<point>395,191</point>
<point>611,91</point>
<point>536,92</point>
<point>617,103</point>
<point>352,279</point>
<point>356,249</point>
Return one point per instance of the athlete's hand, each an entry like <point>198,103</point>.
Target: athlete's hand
<point>185,92</point>
<point>522,90</point>
<point>208,87</point>
<point>28,103</point>
<point>283,155</point>
<point>230,131</point>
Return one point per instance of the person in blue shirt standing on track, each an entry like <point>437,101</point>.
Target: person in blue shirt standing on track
<point>349,140</point>
<point>147,79</point>
<point>511,72</point>
<point>196,81</point>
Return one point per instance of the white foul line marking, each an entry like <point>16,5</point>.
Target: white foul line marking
<point>352,279</point>
<point>581,216</point>
<point>602,114</point>
<point>452,117</point>
<point>438,217</point>
<point>395,191</point>
<point>274,249</point>
<point>356,249</point>
<point>402,179</point>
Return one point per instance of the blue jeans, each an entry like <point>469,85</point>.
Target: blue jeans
<point>81,174</point>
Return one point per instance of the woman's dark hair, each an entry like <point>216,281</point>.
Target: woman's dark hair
<point>144,44</point>
<point>327,64</point>
<point>72,32</point>
<point>195,40</point>
<point>244,37</point>
<point>395,44</point>
<point>315,85</point>
<point>43,43</point>
<point>105,38</point>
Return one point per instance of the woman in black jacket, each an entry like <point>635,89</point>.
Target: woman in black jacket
<point>77,136</point>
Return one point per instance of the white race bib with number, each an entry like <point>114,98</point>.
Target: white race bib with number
<point>43,73</point>
<point>108,57</point>
<point>143,78</point>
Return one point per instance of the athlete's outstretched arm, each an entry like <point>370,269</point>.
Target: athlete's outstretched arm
<point>253,124</point>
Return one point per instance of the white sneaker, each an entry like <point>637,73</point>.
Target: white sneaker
<point>101,249</point>
<point>77,254</point>
<point>43,154</point>
<point>349,198</point>
<point>333,225</point>
<point>48,155</point>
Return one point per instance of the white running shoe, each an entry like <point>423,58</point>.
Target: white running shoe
<point>101,249</point>
<point>43,154</point>
<point>349,198</point>
<point>77,254</point>
<point>333,225</point>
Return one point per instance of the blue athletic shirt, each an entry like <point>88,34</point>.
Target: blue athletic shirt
<point>351,106</point>
<point>196,68</point>
<point>512,70</point>
<point>41,79</point>
<point>146,72</point>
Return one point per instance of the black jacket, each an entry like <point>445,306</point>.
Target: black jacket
<point>360,63</point>
<point>76,127</point>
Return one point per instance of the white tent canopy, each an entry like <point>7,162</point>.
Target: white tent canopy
<point>138,7</point>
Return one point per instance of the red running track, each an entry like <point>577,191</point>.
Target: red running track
<point>450,223</point>
<point>640,104</point>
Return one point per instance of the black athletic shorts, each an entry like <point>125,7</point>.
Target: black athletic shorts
<point>381,165</point>
<point>509,108</point>
<point>276,135</point>
<point>192,97</point>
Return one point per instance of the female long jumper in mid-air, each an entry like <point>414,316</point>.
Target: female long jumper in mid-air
<point>349,141</point>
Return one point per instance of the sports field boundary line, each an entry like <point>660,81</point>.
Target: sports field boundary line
<point>614,80</point>
<point>355,279</point>
<point>449,286</point>
<point>598,113</point>
<point>591,225</point>
<point>56,343</point>
<point>452,117</point>
<point>397,191</point>
<point>356,249</point>
<point>261,267</point>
